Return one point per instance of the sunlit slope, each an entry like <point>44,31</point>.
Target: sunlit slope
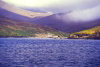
<point>10,28</point>
<point>90,31</point>
<point>93,33</point>
<point>13,28</point>
<point>14,9</point>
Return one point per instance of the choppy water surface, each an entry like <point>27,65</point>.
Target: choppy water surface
<point>28,52</point>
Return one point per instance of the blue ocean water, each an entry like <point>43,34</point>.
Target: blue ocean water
<point>29,52</point>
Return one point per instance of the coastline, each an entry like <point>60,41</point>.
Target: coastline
<point>48,38</point>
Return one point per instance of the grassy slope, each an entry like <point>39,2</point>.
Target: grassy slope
<point>10,27</point>
<point>90,33</point>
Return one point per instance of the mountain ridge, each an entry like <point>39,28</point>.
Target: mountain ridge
<point>12,28</point>
<point>48,20</point>
<point>20,11</point>
<point>92,33</point>
<point>66,26</point>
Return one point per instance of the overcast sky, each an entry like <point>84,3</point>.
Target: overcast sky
<point>81,10</point>
<point>56,5</point>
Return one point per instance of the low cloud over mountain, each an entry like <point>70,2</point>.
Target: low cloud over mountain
<point>17,10</point>
<point>63,15</point>
<point>55,6</point>
<point>89,14</point>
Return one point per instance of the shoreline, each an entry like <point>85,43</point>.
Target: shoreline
<point>51,38</point>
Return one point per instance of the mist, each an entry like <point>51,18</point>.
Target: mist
<point>75,10</point>
<point>55,6</point>
<point>89,14</point>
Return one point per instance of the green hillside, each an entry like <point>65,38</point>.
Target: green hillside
<point>93,33</point>
<point>12,28</point>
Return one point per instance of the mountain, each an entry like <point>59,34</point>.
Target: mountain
<point>17,13</point>
<point>65,26</point>
<point>12,28</point>
<point>93,33</point>
<point>35,9</point>
<point>14,16</point>
<point>54,21</point>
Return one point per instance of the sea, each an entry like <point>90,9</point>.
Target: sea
<point>36,52</point>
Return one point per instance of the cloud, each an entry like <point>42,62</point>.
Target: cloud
<point>89,14</point>
<point>55,6</point>
<point>70,5</point>
<point>81,10</point>
<point>32,3</point>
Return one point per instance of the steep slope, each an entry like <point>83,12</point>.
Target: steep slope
<point>93,33</point>
<point>14,16</point>
<point>66,26</point>
<point>45,19</point>
<point>13,11</point>
<point>34,9</point>
<point>14,28</point>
